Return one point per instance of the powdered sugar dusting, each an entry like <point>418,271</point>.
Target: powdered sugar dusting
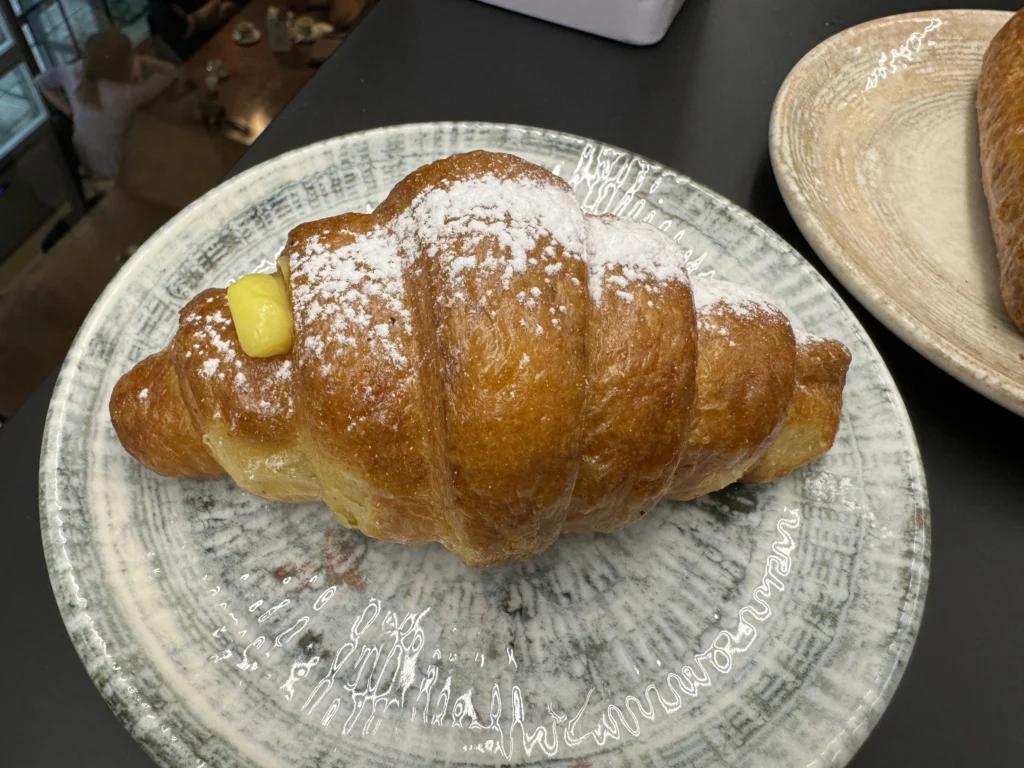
<point>341,283</point>
<point>713,324</point>
<point>803,338</point>
<point>216,349</point>
<point>623,252</point>
<point>447,223</point>
<point>740,300</point>
<point>513,214</point>
<point>505,226</point>
<point>258,386</point>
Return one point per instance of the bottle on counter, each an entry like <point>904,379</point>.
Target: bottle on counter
<point>277,30</point>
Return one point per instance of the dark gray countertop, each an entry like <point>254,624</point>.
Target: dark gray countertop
<point>698,102</point>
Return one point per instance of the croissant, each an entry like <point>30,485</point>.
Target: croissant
<point>480,364</point>
<point>1001,128</point>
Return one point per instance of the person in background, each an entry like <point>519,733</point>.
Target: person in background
<point>100,92</point>
<point>185,25</point>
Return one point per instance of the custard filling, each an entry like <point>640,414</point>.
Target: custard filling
<point>262,314</point>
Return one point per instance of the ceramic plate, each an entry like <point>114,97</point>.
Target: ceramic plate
<point>764,625</point>
<point>874,140</point>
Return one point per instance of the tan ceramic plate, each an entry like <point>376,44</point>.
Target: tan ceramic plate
<point>874,142</point>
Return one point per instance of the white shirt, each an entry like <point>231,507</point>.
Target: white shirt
<point>98,131</point>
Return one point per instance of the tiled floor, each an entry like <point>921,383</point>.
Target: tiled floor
<point>48,300</point>
<point>27,252</point>
<point>44,297</point>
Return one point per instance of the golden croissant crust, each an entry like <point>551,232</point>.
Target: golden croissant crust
<point>1001,129</point>
<point>479,363</point>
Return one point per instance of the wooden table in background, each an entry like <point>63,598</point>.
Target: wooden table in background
<point>260,83</point>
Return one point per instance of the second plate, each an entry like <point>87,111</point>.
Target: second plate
<point>874,143</point>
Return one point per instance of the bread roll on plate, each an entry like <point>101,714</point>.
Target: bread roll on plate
<point>479,363</point>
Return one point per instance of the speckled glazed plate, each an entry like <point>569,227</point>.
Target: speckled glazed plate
<point>762,626</point>
<point>874,141</point>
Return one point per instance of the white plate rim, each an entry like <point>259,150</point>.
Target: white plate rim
<point>858,727</point>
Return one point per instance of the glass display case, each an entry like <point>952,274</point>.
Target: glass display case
<point>6,39</point>
<point>56,30</point>
<point>21,107</point>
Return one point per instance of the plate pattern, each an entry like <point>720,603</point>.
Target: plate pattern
<point>763,625</point>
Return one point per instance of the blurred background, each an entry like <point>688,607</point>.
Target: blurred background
<point>114,115</point>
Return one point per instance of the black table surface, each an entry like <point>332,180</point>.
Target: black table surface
<point>698,102</point>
